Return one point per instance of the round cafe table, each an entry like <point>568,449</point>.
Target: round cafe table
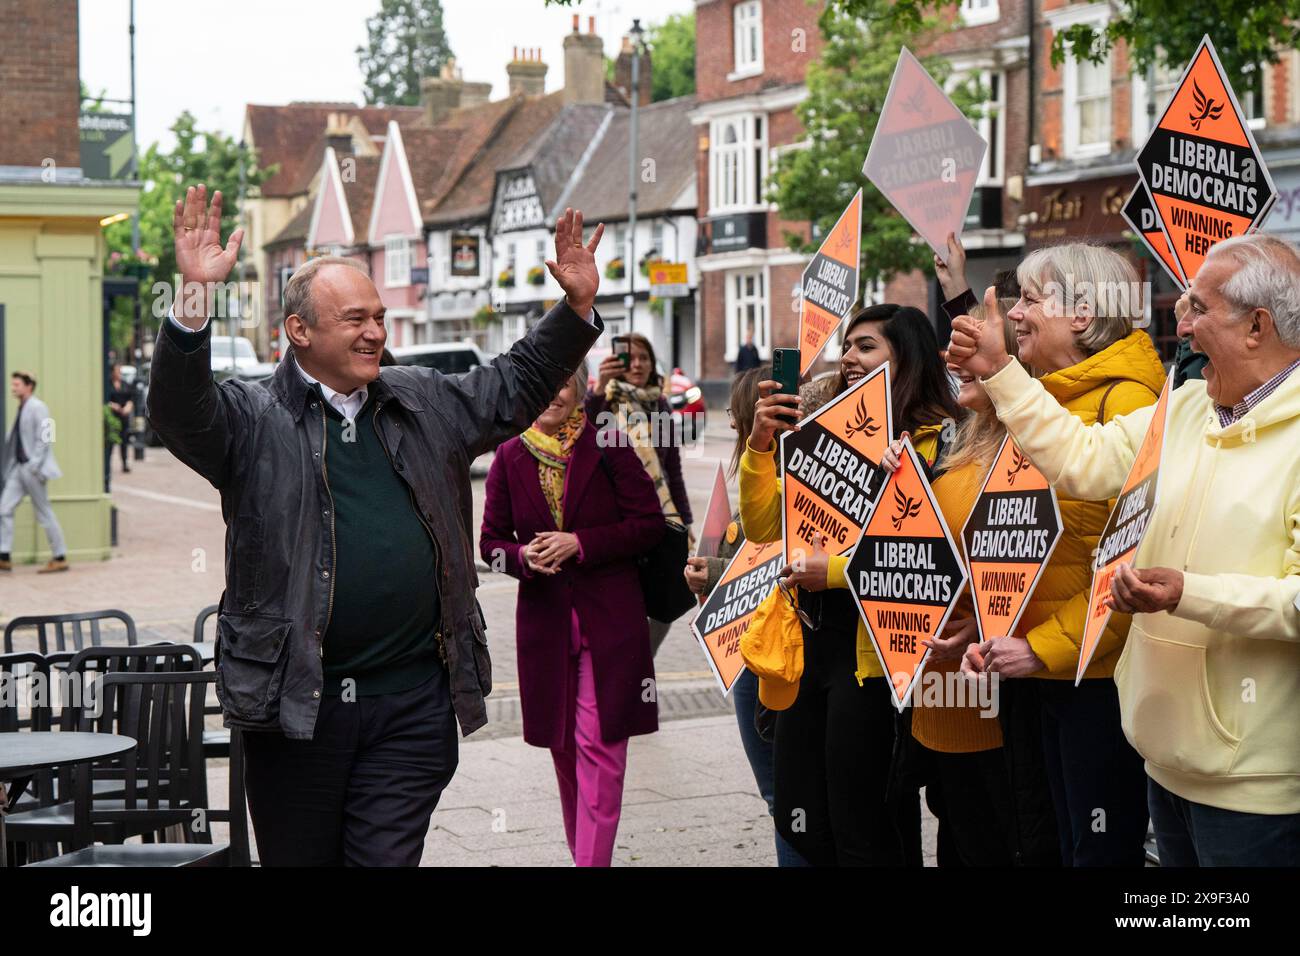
<point>24,753</point>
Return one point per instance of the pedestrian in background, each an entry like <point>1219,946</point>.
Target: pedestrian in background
<point>635,398</point>
<point>747,356</point>
<point>121,402</point>
<point>29,465</point>
<point>567,514</point>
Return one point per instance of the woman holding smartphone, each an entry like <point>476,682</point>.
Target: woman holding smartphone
<point>632,398</point>
<point>568,516</point>
<point>835,743</point>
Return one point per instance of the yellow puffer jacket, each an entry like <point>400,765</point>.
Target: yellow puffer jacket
<point>1129,375</point>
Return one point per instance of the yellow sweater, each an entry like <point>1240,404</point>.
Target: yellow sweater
<point>1209,693</point>
<point>760,517</point>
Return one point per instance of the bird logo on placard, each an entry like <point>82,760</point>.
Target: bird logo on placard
<point>844,241</point>
<point>862,422</point>
<point>1206,105</point>
<point>757,553</point>
<point>915,103</point>
<point>908,507</point>
<point>1019,463</point>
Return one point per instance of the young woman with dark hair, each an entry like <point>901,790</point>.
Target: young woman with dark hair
<point>835,743</point>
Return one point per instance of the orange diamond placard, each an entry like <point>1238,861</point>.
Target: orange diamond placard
<point>725,615</point>
<point>830,467</point>
<point>906,574</point>
<point>1140,213</point>
<point>830,284</point>
<point>1009,537</point>
<point>1201,165</point>
<point>1126,526</point>
<point>925,155</point>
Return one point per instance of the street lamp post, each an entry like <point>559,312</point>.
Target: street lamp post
<point>630,267</point>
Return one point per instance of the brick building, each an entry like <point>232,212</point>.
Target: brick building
<point>53,322</point>
<point>1090,120</point>
<point>750,60</point>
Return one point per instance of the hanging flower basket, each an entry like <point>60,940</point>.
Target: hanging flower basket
<point>615,269</point>
<point>505,278</point>
<point>536,275</point>
<point>484,317</point>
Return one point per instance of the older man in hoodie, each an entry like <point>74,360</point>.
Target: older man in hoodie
<point>1209,681</point>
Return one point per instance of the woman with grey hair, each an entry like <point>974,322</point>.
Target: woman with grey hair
<point>568,514</point>
<point>1074,326</point>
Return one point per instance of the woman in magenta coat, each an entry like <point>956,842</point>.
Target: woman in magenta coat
<point>568,517</point>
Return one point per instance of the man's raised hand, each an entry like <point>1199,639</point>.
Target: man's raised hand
<point>574,265</point>
<point>200,256</point>
<point>979,347</point>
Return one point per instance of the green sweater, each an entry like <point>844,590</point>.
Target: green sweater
<point>385,615</point>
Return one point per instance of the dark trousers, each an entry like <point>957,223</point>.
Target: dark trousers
<point>361,791</point>
<point>1033,817</point>
<point>832,755</point>
<point>1194,834</point>
<point>744,694</point>
<point>970,795</point>
<point>1098,781</point>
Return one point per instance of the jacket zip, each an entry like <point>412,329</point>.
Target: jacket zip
<point>334,557</point>
<point>415,506</point>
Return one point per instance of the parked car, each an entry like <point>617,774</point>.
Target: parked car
<point>236,357</point>
<point>450,358</point>
<point>685,398</point>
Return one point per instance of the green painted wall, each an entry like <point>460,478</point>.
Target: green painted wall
<point>51,255</point>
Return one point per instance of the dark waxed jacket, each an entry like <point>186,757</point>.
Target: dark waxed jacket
<point>262,447</point>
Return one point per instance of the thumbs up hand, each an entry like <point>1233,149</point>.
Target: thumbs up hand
<point>979,347</point>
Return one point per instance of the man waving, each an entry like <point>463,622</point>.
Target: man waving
<point>349,640</point>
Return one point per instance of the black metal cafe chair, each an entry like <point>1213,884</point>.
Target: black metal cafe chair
<point>64,632</point>
<point>165,780</point>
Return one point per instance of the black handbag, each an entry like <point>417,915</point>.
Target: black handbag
<point>663,586</point>
<point>664,590</point>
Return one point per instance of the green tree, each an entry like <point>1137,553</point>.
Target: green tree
<point>199,156</point>
<point>406,43</point>
<point>847,85</point>
<point>672,52</point>
<point>1246,33</point>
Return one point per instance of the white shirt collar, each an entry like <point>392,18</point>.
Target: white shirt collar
<point>347,405</point>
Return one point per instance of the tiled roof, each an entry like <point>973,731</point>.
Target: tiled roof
<point>289,136</point>
<point>554,155</point>
<point>470,195</point>
<point>360,194</point>
<point>664,134</point>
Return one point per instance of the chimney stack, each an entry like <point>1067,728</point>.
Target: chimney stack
<point>527,72</point>
<point>584,65</point>
<point>338,134</point>
<point>440,94</point>
<point>623,74</point>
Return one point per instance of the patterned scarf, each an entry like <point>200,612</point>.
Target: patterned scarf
<point>635,410</point>
<point>553,453</point>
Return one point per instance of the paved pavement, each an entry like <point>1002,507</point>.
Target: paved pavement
<point>690,798</point>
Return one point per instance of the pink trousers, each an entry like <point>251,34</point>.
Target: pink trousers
<point>589,770</point>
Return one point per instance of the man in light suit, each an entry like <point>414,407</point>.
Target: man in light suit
<point>28,464</point>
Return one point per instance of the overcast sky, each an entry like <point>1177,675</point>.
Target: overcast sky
<point>213,57</point>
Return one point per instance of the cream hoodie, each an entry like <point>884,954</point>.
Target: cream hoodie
<point>1210,693</point>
